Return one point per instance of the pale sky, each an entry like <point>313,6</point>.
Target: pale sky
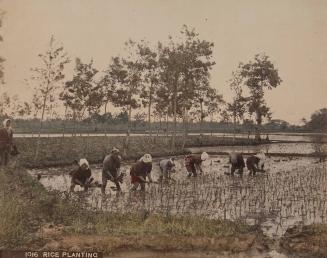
<point>292,32</point>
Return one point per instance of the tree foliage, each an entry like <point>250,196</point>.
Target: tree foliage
<point>49,75</point>
<point>81,93</point>
<point>258,75</point>
<point>318,120</point>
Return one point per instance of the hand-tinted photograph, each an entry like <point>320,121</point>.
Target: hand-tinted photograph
<point>163,128</point>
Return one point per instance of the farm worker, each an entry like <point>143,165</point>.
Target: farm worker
<point>194,162</point>
<point>81,175</point>
<point>166,166</point>
<point>256,163</point>
<point>237,162</point>
<point>7,146</point>
<point>140,171</point>
<point>111,170</point>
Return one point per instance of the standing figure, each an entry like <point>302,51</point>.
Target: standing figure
<point>166,166</point>
<point>237,163</point>
<point>111,170</point>
<point>140,171</point>
<point>194,162</point>
<point>81,176</point>
<point>6,142</point>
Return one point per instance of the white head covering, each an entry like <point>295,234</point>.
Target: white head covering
<point>204,156</point>
<point>5,122</point>
<point>83,162</point>
<point>261,155</point>
<point>233,157</point>
<point>146,158</point>
<point>115,150</point>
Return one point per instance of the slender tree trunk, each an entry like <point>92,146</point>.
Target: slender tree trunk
<point>149,114</point>
<point>201,123</point>
<point>167,128</point>
<point>64,122</point>
<point>172,148</point>
<point>42,115</point>
<point>185,124</point>
<point>234,133</point>
<point>167,125</point>
<point>160,124</point>
<point>257,127</point>
<point>105,113</point>
<point>40,129</point>
<point>105,108</point>
<point>159,129</point>
<point>126,145</point>
<point>74,122</point>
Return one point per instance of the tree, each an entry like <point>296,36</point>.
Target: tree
<point>23,109</point>
<point>208,104</point>
<point>149,60</point>
<point>185,64</point>
<point>48,78</point>
<point>82,94</point>
<point>5,102</point>
<point>258,75</point>
<point>11,106</point>
<point>304,121</point>
<point>318,120</point>
<point>237,107</point>
<point>36,105</point>
<point>127,75</point>
<point>49,75</point>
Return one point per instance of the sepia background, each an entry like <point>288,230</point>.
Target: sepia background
<point>292,33</point>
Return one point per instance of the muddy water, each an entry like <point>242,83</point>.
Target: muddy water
<point>283,148</point>
<point>292,191</point>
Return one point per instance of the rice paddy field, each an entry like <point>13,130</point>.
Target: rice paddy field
<point>292,191</point>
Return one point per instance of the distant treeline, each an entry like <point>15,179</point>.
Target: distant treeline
<point>119,124</point>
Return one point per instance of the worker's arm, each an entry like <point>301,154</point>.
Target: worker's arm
<point>142,179</point>
<point>79,182</point>
<point>198,166</point>
<point>150,178</point>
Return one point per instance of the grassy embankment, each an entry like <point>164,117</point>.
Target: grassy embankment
<point>27,210</point>
<point>62,151</point>
<point>306,241</point>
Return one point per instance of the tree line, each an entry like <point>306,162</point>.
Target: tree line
<point>169,81</point>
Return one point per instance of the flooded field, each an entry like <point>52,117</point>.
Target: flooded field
<point>282,148</point>
<point>299,137</point>
<point>292,191</point>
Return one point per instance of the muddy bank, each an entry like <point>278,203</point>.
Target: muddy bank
<point>130,245</point>
<point>58,151</point>
<point>306,241</point>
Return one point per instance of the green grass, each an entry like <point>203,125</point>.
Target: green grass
<point>61,151</point>
<point>133,224</point>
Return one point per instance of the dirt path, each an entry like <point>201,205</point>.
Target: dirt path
<point>127,246</point>
<point>196,254</point>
